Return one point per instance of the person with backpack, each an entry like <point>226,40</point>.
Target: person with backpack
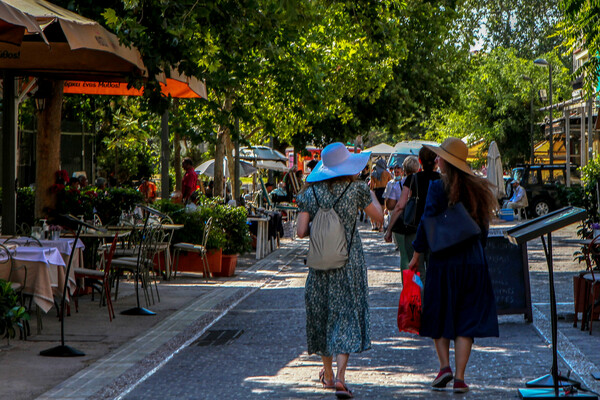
<point>336,291</point>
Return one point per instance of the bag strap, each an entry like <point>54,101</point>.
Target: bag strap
<point>341,195</point>
<point>315,194</point>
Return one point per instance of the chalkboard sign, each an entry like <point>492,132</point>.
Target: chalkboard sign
<point>509,272</point>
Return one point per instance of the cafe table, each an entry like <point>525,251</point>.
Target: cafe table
<point>262,240</point>
<point>44,271</point>
<point>63,244</point>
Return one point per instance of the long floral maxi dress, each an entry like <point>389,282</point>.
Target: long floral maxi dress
<point>337,308</point>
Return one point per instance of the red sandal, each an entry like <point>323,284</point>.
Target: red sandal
<point>342,391</point>
<point>326,385</point>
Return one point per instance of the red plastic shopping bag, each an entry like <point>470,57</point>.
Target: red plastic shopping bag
<point>409,307</point>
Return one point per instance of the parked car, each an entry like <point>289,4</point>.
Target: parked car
<point>541,184</point>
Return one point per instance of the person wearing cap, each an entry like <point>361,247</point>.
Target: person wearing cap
<point>148,190</point>
<point>337,311</point>
<point>458,301</point>
<point>518,198</point>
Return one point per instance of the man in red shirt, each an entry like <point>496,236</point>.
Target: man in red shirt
<point>190,179</point>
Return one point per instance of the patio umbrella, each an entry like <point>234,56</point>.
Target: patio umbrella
<point>272,165</point>
<point>76,46</point>
<point>264,153</point>
<point>382,149</point>
<point>176,85</point>
<point>495,174</point>
<point>208,168</point>
<point>15,24</point>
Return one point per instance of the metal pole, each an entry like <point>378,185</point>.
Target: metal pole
<point>165,152</point>
<point>582,140</point>
<point>567,116</point>
<point>531,123</point>
<point>236,166</point>
<point>590,124</point>
<point>551,140</point>
<point>9,154</point>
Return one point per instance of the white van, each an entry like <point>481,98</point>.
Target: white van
<point>407,148</point>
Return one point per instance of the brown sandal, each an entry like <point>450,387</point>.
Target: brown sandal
<point>326,385</point>
<point>342,391</point>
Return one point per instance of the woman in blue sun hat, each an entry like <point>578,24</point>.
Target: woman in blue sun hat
<point>337,309</point>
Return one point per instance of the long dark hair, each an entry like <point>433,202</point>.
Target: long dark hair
<point>474,192</point>
<point>427,158</point>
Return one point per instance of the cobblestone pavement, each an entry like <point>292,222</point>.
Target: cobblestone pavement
<point>262,354</point>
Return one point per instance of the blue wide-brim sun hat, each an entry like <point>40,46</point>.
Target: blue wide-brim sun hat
<point>337,161</point>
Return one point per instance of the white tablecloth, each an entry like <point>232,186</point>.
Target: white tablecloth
<point>44,274</point>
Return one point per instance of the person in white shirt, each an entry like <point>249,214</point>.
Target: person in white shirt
<point>393,189</point>
<point>519,197</point>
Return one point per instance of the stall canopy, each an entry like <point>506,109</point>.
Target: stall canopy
<point>264,153</point>
<point>382,149</point>
<point>15,24</point>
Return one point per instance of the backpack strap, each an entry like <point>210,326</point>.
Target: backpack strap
<point>315,194</point>
<point>341,195</point>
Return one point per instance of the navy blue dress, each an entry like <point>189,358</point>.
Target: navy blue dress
<point>458,298</point>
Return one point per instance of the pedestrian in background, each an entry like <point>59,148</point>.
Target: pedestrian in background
<point>337,310</point>
<point>190,180</point>
<point>380,176</point>
<point>458,301</point>
<point>403,239</point>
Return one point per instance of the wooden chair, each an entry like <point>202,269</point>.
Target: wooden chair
<point>101,277</point>
<point>194,248</point>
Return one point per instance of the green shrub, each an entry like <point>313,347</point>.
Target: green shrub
<point>234,222</point>
<point>12,314</point>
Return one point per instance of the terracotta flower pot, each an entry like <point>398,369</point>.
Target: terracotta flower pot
<point>228,264</point>
<point>192,262</point>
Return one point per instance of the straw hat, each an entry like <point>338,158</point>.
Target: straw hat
<point>336,161</point>
<point>454,151</point>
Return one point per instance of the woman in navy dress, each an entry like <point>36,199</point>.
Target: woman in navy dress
<point>458,302</point>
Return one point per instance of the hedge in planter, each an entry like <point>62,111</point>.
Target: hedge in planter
<point>237,237</point>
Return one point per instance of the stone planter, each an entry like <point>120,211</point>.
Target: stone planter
<point>228,264</point>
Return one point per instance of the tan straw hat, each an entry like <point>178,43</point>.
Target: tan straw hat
<point>454,151</point>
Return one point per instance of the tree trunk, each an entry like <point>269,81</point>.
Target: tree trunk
<point>48,150</point>
<point>177,161</point>
<point>222,139</point>
<point>219,154</point>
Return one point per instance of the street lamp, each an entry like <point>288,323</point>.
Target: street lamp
<point>543,63</point>
<point>528,79</point>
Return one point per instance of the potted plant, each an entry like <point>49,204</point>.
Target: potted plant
<point>12,314</point>
<point>237,238</point>
<point>193,232</point>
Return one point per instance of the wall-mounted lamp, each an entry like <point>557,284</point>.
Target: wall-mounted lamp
<point>543,95</point>
<point>44,91</point>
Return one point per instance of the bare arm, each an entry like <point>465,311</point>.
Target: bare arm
<point>374,210</point>
<point>302,224</point>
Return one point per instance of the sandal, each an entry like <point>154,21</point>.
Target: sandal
<point>342,391</point>
<point>326,385</point>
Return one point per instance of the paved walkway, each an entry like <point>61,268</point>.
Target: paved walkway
<point>244,339</point>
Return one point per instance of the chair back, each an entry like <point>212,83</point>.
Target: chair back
<point>207,228</point>
<point>109,257</point>
<point>6,263</point>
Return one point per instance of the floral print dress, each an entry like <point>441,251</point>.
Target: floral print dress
<point>337,309</point>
